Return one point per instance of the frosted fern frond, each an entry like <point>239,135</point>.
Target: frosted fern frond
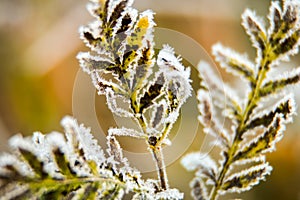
<point>70,165</point>
<point>255,129</point>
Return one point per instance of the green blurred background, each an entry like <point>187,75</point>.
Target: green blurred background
<point>39,41</point>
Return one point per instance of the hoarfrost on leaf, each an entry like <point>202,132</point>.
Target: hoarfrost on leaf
<point>245,180</point>
<point>202,163</point>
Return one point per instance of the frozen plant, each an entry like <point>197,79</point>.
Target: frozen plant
<point>123,67</point>
<point>150,88</point>
<point>255,129</point>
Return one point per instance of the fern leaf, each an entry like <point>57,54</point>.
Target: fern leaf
<point>285,108</point>
<point>283,20</point>
<point>245,180</point>
<point>118,13</point>
<point>91,63</point>
<point>234,63</point>
<point>111,98</point>
<point>158,114</point>
<point>264,143</point>
<point>284,29</point>
<point>143,68</point>
<point>255,29</point>
<point>278,84</point>
<point>178,87</point>
<point>275,16</point>
<point>139,38</point>
<point>153,91</point>
<point>288,46</point>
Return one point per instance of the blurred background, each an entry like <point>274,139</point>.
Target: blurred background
<point>39,42</point>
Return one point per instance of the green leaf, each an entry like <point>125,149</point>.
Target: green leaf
<point>275,86</point>
<point>255,29</point>
<point>264,143</point>
<point>246,179</point>
<point>152,92</point>
<point>35,164</point>
<point>234,63</point>
<point>285,107</point>
<point>63,164</point>
<point>137,40</point>
<point>288,45</point>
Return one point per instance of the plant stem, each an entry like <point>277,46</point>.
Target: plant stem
<point>160,165</point>
<point>157,154</point>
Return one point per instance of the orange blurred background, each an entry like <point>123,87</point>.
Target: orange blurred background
<point>39,42</point>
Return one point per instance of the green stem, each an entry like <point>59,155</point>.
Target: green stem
<point>158,158</point>
<point>164,134</point>
<point>156,150</point>
<point>160,165</point>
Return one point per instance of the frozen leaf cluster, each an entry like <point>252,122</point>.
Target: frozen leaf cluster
<point>139,83</point>
<point>124,67</point>
<point>71,166</point>
<point>253,128</point>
